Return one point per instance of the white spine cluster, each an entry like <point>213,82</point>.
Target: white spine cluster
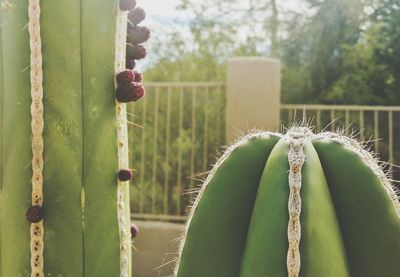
<point>123,161</point>
<point>37,124</point>
<point>296,138</point>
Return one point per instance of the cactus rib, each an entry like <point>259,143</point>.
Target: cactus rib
<point>123,160</point>
<point>240,167</point>
<point>36,73</point>
<point>296,160</point>
<point>368,158</point>
<point>366,210</point>
<point>1,137</point>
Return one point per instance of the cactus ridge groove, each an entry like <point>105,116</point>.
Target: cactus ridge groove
<point>296,138</point>
<point>36,76</point>
<point>82,195</point>
<point>1,140</point>
<point>122,134</point>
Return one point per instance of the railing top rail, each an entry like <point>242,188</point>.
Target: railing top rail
<point>165,217</point>
<point>184,84</point>
<point>300,107</point>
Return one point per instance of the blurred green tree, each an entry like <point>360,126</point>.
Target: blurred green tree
<point>333,51</point>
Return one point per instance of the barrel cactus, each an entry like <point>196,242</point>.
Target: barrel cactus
<point>64,189</point>
<point>299,204</point>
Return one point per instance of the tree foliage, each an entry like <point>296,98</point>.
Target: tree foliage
<point>332,51</point>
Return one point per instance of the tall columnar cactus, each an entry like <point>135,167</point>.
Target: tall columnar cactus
<point>64,207</point>
<point>299,204</point>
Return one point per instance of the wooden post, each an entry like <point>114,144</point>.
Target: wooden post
<point>253,95</point>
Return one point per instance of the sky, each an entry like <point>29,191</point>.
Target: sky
<point>159,7</point>
<point>167,8</point>
<point>162,17</point>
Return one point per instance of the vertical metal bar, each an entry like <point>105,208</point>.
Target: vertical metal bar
<point>131,131</point>
<point>347,121</point>
<point>131,143</point>
<point>193,149</point>
<point>205,145</point>
<point>219,104</point>
<point>362,125</point>
<point>319,120</point>
<point>142,156</point>
<point>376,131</point>
<point>154,167</point>
<point>221,124</point>
<point>179,177</point>
<point>390,115</point>
<point>290,117</point>
<point>167,150</point>
<point>223,97</point>
<point>332,122</point>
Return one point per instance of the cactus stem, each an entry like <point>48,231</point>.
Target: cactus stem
<point>122,134</point>
<point>36,73</point>
<point>296,137</point>
<point>329,195</point>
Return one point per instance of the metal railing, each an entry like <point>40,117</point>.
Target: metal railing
<point>175,133</point>
<point>178,128</point>
<point>377,126</point>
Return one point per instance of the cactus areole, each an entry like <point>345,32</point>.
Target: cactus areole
<point>299,204</point>
<point>63,138</point>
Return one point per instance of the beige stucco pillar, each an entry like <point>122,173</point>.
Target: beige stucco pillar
<point>253,95</point>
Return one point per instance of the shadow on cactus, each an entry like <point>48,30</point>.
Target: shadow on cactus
<point>298,204</point>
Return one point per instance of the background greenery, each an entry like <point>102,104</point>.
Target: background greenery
<point>332,52</point>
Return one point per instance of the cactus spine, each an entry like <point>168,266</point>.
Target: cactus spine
<point>64,180</point>
<point>299,204</point>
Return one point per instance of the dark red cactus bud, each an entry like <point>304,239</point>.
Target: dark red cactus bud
<point>130,92</point>
<point>138,35</point>
<point>138,76</point>
<point>125,77</point>
<point>127,5</point>
<point>134,230</point>
<point>125,175</point>
<point>135,52</point>
<point>136,16</point>
<point>130,64</point>
<point>34,214</point>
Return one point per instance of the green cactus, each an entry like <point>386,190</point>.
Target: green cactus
<point>85,232</point>
<point>299,204</point>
